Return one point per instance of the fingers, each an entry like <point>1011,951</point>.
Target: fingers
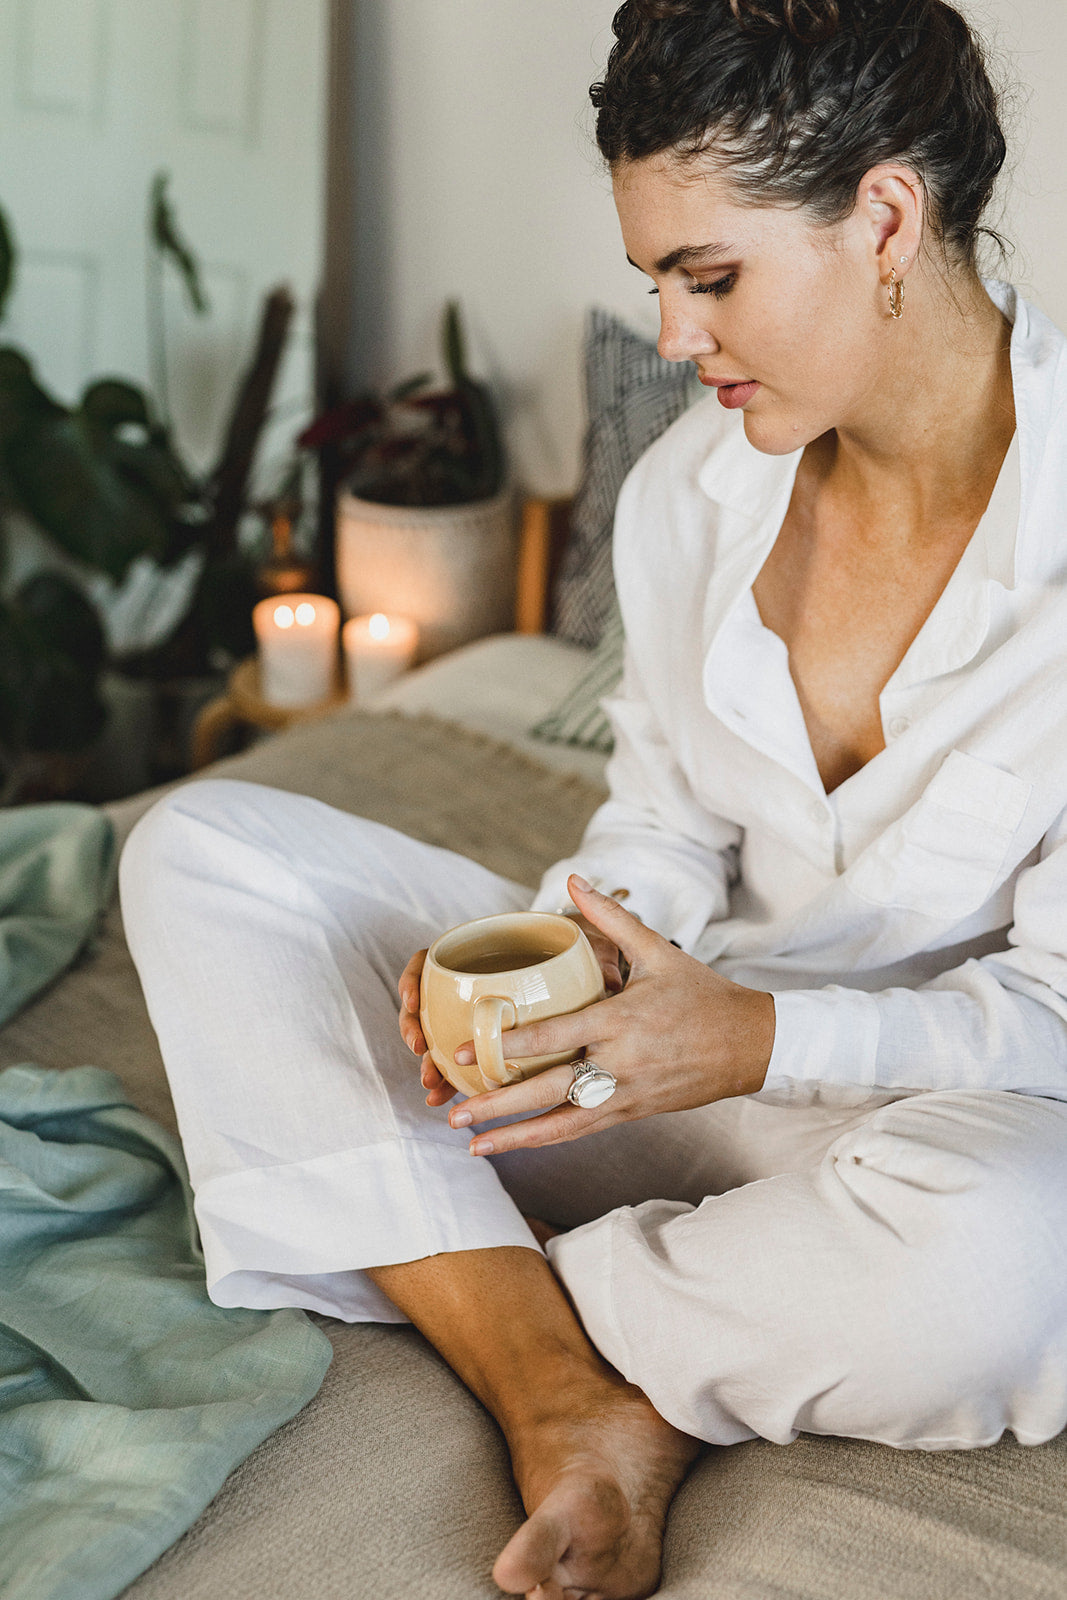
<point>556,1127</point>
<point>613,920</point>
<point>540,1093</point>
<point>547,1092</point>
<point>552,1036</point>
<point>408,987</point>
<point>439,1090</point>
<point>410,978</point>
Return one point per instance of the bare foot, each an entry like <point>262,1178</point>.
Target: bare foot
<point>596,1482</point>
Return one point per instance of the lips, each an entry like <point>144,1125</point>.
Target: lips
<point>730,394</point>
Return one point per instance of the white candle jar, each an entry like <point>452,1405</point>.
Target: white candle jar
<point>297,638</point>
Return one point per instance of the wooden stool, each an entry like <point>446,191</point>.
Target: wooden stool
<point>243,706</point>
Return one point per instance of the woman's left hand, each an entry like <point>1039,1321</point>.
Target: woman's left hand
<point>677,1036</point>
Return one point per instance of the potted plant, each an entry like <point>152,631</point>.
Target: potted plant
<point>138,588</point>
<point>425,518</point>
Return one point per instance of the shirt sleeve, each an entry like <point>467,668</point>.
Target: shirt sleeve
<point>999,1022</point>
<point>651,837</point>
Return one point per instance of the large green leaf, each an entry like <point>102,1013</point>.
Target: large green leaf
<point>64,710</point>
<point>21,397</point>
<point>65,620</point>
<point>121,428</point>
<point>112,403</point>
<point>80,499</point>
<point>51,647</point>
<point>7,261</point>
<point>105,497</point>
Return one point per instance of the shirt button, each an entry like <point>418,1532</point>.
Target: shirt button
<point>898,726</point>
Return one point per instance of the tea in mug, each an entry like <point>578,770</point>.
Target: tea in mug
<point>499,960</point>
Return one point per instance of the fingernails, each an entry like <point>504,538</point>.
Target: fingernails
<point>481,1147</point>
<point>461,1119</point>
<point>464,1058</point>
<point>582,883</point>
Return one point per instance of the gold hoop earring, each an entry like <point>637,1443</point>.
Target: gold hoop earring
<point>896,295</point>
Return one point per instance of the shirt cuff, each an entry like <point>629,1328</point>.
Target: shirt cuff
<point>825,1048</point>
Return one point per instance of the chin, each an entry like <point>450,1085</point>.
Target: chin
<point>778,436</point>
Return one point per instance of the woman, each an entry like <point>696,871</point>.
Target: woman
<point>825,1193</point>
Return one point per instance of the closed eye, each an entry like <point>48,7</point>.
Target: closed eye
<point>720,288</point>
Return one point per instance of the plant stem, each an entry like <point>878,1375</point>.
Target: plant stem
<point>157,332</point>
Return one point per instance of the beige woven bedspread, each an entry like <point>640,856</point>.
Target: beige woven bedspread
<point>393,1484</point>
<point>431,779</point>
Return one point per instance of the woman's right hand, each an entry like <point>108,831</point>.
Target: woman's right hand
<point>438,1089</point>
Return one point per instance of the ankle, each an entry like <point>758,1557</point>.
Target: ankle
<point>565,1388</point>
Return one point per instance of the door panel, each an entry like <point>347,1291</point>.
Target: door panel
<point>228,96</point>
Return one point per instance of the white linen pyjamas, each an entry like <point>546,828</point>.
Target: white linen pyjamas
<point>891,1273</point>
<point>874,1245</point>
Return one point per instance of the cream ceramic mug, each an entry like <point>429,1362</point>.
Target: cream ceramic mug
<point>487,976</point>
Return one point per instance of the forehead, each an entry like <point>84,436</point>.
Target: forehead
<point>666,205</point>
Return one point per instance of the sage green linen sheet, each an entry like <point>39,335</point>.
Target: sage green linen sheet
<point>126,1397</point>
<point>57,870</point>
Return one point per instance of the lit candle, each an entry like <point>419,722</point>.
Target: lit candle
<point>377,650</point>
<point>297,637</point>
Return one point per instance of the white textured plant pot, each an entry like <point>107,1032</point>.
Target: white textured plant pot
<point>451,568</point>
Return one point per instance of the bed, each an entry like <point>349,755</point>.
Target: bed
<point>393,1482</point>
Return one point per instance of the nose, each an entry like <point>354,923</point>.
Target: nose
<point>683,332</point>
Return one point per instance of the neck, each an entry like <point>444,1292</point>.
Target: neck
<point>936,432</point>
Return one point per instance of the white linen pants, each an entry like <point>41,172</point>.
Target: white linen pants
<point>896,1272</point>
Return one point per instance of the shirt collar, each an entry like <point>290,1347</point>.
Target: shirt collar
<point>743,479</point>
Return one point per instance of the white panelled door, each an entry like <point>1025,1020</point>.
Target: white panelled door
<point>228,96</point>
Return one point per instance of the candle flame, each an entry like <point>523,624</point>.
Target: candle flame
<point>283,616</point>
<point>378,626</point>
<point>305,613</point>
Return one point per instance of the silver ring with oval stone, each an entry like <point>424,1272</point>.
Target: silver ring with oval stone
<point>592,1085</point>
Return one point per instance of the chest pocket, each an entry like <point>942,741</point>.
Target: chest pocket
<point>946,855</point>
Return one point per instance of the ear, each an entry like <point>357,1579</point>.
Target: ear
<point>891,205</point>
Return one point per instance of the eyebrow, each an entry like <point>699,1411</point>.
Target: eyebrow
<point>686,255</point>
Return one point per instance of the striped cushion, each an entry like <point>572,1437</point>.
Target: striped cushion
<point>632,396</point>
<point>579,718</point>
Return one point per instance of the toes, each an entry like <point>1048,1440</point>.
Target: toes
<point>528,1560</point>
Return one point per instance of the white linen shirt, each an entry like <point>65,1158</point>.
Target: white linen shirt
<point>912,925</point>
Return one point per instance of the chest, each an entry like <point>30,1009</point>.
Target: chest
<point>848,610</point>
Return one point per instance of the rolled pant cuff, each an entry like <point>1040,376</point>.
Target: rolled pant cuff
<point>301,1233</point>
<point>583,1260</point>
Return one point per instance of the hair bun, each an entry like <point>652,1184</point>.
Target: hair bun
<point>810,21</point>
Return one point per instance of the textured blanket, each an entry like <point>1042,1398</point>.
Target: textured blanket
<point>57,869</point>
<point>126,1397</point>
<point>393,1483</point>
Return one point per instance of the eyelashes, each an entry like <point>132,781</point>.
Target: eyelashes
<point>720,288</point>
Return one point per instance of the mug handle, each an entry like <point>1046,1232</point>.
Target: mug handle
<point>492,1016</point>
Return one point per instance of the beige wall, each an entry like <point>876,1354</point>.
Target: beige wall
<point>477,177</point>
<point>1028,40</point>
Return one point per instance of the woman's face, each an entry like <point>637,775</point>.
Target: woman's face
<point>784,318</point>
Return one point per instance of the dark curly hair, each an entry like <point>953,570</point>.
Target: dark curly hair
<point>797,99</point>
